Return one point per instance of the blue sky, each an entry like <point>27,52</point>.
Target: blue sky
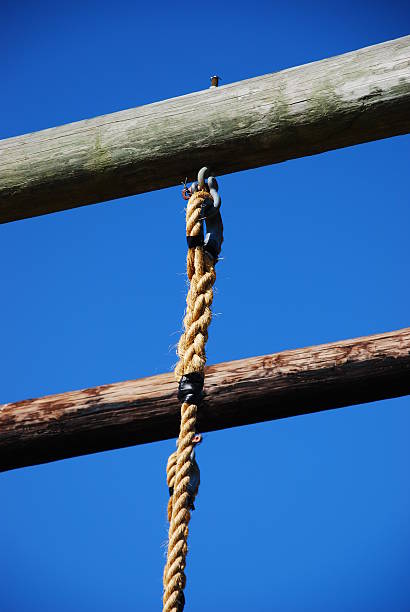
<point>305,514</point>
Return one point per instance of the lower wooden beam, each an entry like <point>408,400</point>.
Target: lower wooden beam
<point>237,393</point>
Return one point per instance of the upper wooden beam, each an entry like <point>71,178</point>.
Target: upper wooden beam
<point>336,102</point>
<point>237,393</point>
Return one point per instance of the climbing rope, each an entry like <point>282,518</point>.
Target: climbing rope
<point>182,469</point>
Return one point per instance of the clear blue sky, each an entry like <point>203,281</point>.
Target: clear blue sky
<point>299,515</point>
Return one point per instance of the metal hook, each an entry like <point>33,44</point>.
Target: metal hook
<point>211,208</point>
<point>201,177</point>
<point>213,190</point>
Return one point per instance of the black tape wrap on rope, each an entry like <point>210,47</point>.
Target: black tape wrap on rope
<point>190,390</point>
<point>211,246</point>
<point>195,241</point>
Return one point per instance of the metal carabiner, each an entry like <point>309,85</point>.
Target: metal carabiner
<point>209,212</point>
<point>214,235</point>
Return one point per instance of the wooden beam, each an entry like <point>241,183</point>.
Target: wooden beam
<point>333,103</point>
<point>237,393</point>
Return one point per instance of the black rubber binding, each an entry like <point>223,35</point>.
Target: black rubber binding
<point>190,388</point>
<point>195,241</point>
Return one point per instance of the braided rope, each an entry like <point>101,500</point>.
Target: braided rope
<point>192,358</point>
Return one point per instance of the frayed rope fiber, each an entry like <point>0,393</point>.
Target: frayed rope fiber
<point>182,469</point>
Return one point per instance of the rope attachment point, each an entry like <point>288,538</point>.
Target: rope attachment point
<point>210,213</point>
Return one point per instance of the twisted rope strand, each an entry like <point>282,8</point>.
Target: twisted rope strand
<point>192,358</point>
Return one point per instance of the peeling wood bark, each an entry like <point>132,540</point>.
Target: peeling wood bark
<point>333,103</point>
<point>240,392</point>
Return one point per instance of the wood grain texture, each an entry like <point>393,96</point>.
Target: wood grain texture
<point>336,102</point>
<point>240,392</point>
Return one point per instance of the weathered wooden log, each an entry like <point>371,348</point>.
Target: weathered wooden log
<point>333,103</point>
<point>237,393</point>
